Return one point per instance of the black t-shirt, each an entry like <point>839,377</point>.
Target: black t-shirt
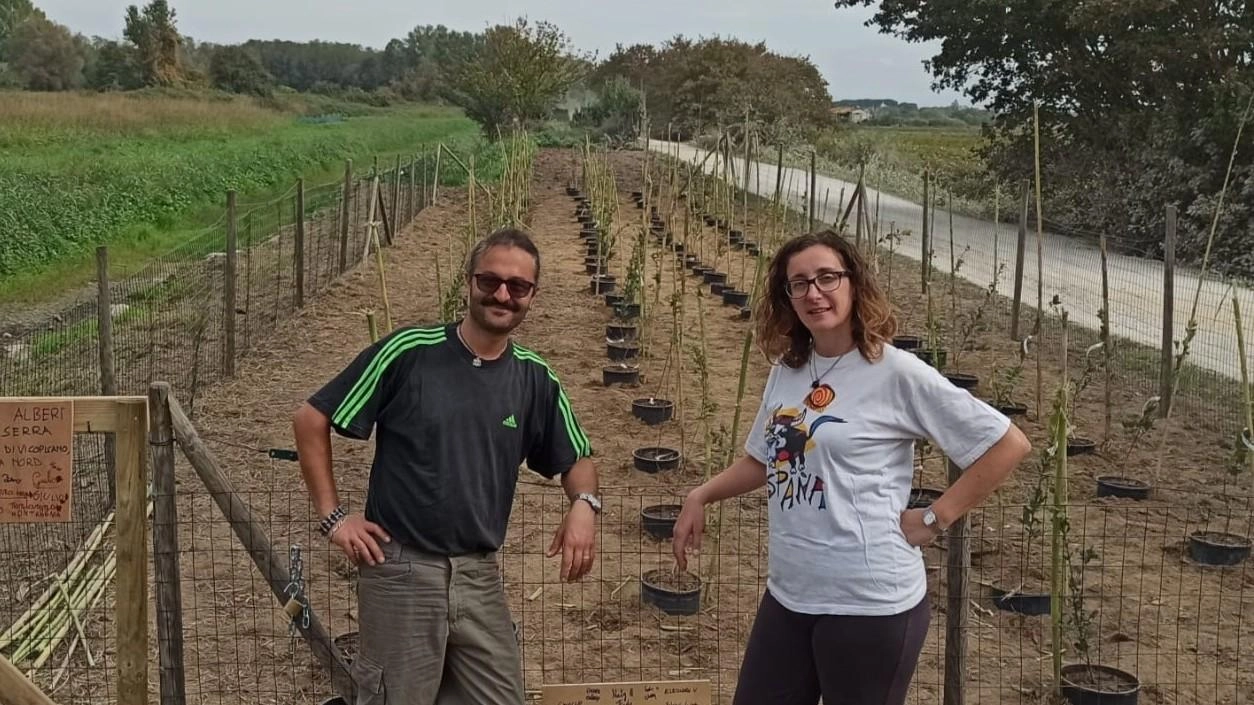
<point>451,436</point>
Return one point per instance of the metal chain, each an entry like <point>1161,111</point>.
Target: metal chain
<point>296,588</point>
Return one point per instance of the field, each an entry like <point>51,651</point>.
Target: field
<point>900,155</point>
<point>145,172</point>
<point>1152,610</point>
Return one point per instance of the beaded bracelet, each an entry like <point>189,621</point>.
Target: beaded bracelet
<point>329,521</point>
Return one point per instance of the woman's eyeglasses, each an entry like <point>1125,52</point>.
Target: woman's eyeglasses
<point>826,281</point>
<point>517,288</point>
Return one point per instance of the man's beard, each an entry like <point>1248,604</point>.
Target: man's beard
<point>481,315</point>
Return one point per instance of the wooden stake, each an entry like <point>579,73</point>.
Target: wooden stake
<point>957,601</point>
<point>345,199</point>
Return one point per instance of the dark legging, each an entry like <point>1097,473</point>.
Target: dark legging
<point>792,658</point>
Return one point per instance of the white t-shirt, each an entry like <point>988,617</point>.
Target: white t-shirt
<point>839,475</point>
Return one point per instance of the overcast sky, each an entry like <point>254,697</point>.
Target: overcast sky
<point>857,61</point>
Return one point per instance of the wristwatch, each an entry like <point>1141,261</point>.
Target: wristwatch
<point>930,521</point>
<point>591,500</point>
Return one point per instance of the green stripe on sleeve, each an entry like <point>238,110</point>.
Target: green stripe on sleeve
<point>366,385</point>
<point>578,439</point>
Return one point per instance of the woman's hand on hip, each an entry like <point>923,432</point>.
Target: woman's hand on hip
<point>917,533</point>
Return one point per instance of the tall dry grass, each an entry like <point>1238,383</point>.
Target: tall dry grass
<point>23,113</point>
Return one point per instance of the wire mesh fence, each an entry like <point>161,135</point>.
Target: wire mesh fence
<point>167,321</point>
<point>1135,597</point>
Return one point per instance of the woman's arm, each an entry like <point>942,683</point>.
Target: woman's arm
<point>977,482</point>
<point>743,476</point>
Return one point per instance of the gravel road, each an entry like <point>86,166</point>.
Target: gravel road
<point>1072,268</point>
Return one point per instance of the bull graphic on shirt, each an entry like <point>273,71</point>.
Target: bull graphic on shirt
<point>787,441</point>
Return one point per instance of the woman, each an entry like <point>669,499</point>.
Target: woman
<point>845,611</point>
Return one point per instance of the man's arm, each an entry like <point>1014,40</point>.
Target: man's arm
<point>313,446</point>
<point>580,479</point>
<point>353,534</point>
<point>576,537</point>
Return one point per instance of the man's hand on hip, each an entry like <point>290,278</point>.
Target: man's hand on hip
<point>576,541</point>
<point>356,537</point>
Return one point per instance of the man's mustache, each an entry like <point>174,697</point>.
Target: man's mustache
<point>490,302</point>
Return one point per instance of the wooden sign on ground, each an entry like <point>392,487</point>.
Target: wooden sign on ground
<point>36,457</point>
<point>633,693</point>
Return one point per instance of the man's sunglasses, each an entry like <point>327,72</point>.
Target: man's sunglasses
<point>517,288</point>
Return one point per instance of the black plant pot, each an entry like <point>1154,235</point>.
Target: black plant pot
<point>652,411</point>
<point>702,270</point>
<point>738,245</point>
<point>746,313</point>
<point>735,297</point>
<point>1028,603</point>
<point>735,236</point>
<point>921,497</point>
<point>1080,446</point>
<point>1218,548</point>
<point>620,374</point>
<point>673,593</point>
<point>907,342</point>
<point>658,520</point>
<point>638,195</point>
<point>602,284</point>
<point>722,225</point>
<point>963,380</point>
<point>613,300</point>
<point>1012,408</point>
<point>753,249</point>
<point>619,352</point>
<point>594,268</point>
<point>572,191</point>
<point>691,260</point>
<point>717,288</point>
<point>710,220</point>
<point>593,250</point>
<point>935,358</point>
<point>1083,684</point>
<point>625,332</point>
<point>586,218</point>
<point>713,277</point>
<point>1112,486</point>
<point>626,312</point>
<point>653,459</point>
<point>677,248</point>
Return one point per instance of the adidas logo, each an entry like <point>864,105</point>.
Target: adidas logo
<point>509,422</point>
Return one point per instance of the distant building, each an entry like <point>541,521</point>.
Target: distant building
<point>845,113</point>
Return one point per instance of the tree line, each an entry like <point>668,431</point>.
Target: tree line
<point>1140,104</point>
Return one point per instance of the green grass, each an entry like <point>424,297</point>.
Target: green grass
<point>900,154</point>
<point>143,173</point>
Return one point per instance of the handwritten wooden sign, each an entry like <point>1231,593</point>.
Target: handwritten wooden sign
<point>36,460</point>
<point>637,693</point>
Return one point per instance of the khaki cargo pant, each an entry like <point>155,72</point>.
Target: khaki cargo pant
<point>435,630</point>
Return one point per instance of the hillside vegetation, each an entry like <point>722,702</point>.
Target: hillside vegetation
<point>140,170</point>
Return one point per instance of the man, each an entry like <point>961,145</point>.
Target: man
<point>458,407</point>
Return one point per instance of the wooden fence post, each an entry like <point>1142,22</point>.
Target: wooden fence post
<point>925,236</point>
<point>299,247</point>
<point>1020,247</point>
<point>957,599</point>
<point>108,375</point>
<point>813,186</point>
<point>344,201</point>
<point>412,192</point>
<point>252,535</point>
<point>228,287</point>
<point>396,196</point>
<point>17,688</point>
<point>1169,304</point>
<point>165,548</point>
<point>132,552</point>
